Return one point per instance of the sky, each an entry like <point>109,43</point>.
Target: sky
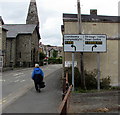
<point>50,14</point>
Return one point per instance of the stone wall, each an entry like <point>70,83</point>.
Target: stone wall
<point>35,46</point>
<point>11,52</point>
<point>26,44</point>
<point>23,49</point>
<point>4,46</point>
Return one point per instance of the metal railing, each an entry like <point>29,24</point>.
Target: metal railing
<point>66,94</point>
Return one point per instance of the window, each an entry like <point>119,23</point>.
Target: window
<point>20,55</point>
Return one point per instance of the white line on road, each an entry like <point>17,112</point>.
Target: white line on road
<point>17,80</point>
<point>22,80</point>
<point>2,80</point>
<point>18,74</point>
<point>13,96</point>
<point>22,90</point>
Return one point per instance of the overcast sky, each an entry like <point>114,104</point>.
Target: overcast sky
<point>50,14</point>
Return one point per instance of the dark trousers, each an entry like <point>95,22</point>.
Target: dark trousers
<point>37,83</point>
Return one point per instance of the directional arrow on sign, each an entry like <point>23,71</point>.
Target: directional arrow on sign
<point>73,46</point>
<point>94,46</point>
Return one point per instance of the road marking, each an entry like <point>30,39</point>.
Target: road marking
<point>17,80</point>
<point>15,95</point>
<point>17,74</point>
<point>2,80</point>
<point>20,91</point>
<point>22,80</point>
<point>4,101</point>
<point>17,77</point>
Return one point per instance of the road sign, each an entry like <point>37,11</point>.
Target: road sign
<point>94,43</point>
<point>73,43</point>
<point>69,63</point>
<point>85,43</point>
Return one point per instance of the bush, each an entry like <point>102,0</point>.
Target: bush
<point>41,56</point>
<point>105,83</point>
<point>115,87</point>
<point>90,80</point>
<point>55,60</point>
<point>76,76</point>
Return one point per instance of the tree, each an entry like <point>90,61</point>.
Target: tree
<point>41,56</point>
<point>55,53</point>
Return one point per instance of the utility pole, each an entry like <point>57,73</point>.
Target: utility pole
<point>81,54</point>
<point>79,16</point>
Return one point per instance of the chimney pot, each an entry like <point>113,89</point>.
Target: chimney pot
<point>93,12</point>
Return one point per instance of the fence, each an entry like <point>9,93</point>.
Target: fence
<point>66,94</point>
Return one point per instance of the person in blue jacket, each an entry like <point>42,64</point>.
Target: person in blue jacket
<point>37,76</point>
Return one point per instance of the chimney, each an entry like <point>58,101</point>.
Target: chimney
<point>93,12</point>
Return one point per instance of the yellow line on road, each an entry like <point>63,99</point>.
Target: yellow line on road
<point>4,101</point>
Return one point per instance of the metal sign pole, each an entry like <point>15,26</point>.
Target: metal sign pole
<point>73,71</point>
<point>98,74</point>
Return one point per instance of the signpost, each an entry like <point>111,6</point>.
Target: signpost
<point>98,71</point>
<point>85,43</point>
<point>73,71</point>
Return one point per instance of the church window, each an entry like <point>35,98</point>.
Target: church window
<point>20,55</point>
<point>31,54</point>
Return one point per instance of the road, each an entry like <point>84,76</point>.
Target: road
<point>18,90</point>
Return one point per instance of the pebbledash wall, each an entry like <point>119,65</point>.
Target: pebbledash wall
<point>108,60</point>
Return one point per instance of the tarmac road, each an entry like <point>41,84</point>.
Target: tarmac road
<point>47,101</point>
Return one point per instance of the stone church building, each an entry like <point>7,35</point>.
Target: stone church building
<point>22,40</point>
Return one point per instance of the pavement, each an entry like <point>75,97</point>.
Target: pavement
<point>47,101</point>
<point>104,102</point>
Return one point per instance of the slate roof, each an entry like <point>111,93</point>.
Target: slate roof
<point>91,18</point>
<point>16,29</point>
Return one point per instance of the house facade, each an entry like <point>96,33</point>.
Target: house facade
<point>96,24</point>
<point>48,50</point>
